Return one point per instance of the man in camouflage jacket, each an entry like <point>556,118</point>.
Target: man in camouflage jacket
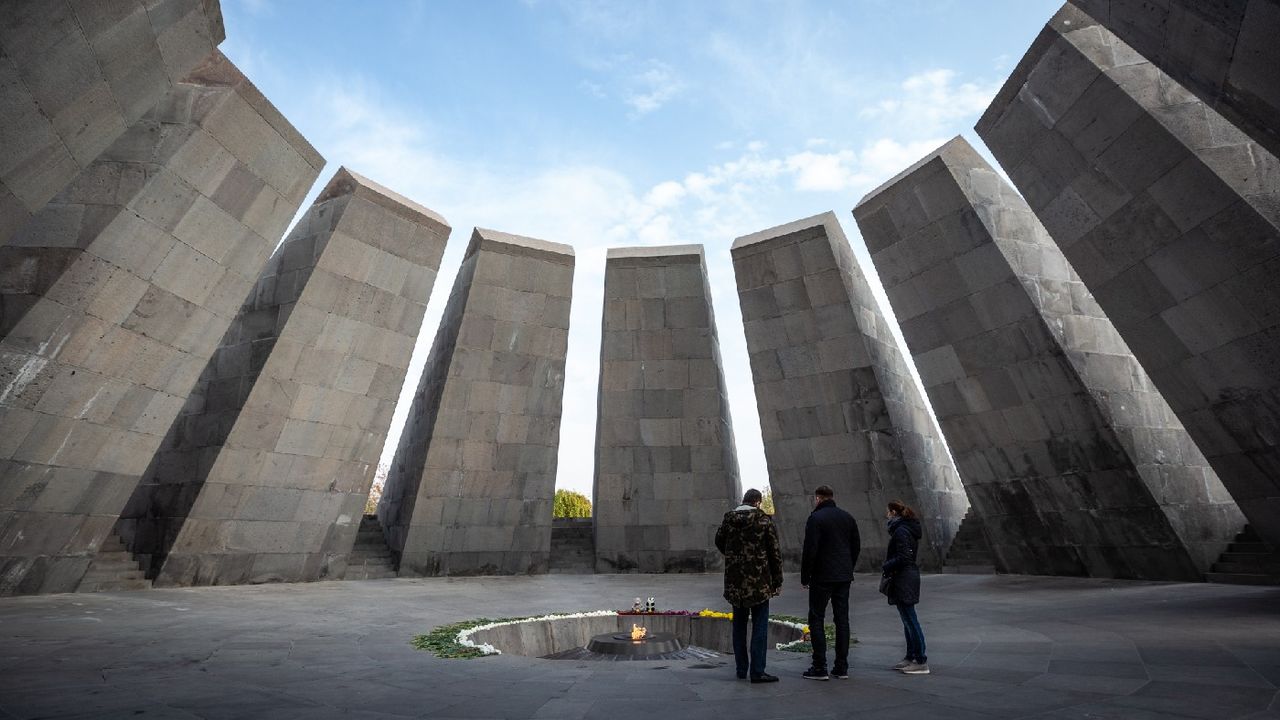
<point>752,575</point>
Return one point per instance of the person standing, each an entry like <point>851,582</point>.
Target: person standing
<point>831,547</point>
<point>904,582</point>
<point>752,574</point>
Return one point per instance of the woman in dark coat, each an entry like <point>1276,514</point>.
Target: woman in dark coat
<point>904,582</point>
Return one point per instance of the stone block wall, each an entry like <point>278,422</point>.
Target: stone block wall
<point>1224,52</point>
<point>1074,462</point>
<point>1171,217</point>
<point>264,475</point>
<point>836,399</point>
<point>75,75</point>
<point>471,486</point>
<point>666,467</point>
<point>115,295</point>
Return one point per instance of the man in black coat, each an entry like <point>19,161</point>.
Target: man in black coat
<point>831,546</point>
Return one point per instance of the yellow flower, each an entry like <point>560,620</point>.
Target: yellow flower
<point>709,613</point>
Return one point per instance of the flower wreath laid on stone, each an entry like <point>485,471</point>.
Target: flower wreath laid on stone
<point>454,640</point>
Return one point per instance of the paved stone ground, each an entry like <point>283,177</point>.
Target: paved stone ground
<point>1000,647</point>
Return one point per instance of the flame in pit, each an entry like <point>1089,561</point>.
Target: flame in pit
<point>637,632</point>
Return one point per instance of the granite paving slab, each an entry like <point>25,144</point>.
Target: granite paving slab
<point>1000,647</point>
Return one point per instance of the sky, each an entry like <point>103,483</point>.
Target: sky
<point>613,124</point>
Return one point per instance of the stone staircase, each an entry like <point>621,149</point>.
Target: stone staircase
<point>370,558</point>
<point>969,553</point>
<point>113,568</point>
<point>1247,561</point>
<point>573,546</point>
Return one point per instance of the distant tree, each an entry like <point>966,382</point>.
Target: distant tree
<point>375,490</point>
<point>766,504</point>
<point>569,504</point>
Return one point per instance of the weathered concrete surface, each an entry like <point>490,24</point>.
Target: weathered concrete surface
<point>837,403</point>
<point>471,485</point>
<point>1225,52</point>
<point>1072,459</point>
<point>115,296</point>
<point>264,475</point>
<point>1171,217</point>
<point>75,74</point>
<point>666,467</point>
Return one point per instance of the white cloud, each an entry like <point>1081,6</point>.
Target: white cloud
<point>885,157</point>
<point>652,87</point>
<point>665,194</point>
<point>929,102</point>
<point>823,171</point>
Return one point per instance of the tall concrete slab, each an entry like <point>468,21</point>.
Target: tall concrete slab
<point>1073,460</point>
<point>470,489</point>
<point>1171,217</point>
<point>838,405</point>
<point>115,296</point>
<point>666,467</point>
<point>75,74</point>
<point>264,475</point>
<point>1225,52</point>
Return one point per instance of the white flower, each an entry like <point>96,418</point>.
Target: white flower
<point>464,637</point>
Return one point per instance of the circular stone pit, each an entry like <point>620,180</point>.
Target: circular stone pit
<point>570,638</point>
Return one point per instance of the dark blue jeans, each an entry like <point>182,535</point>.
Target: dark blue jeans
<point>915,634</point>
<point>759,637</point>
<point>836,593</point>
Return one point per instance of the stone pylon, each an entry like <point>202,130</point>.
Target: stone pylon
<point>1224,52</point>
<point>74,76</point>
<point>1171,217</point>
<point>666,468</point>
<point>838,405</point>
<point>264,475</point>
<point>115,296</point>
<point>474,475</point>
<point>1070,456</point>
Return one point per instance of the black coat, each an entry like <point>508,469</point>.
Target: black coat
<point>900,561</point>
<point>831,545</point>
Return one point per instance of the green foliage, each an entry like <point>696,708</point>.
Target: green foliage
<point>375,491</point>
<point>766,504</point>
<point>443,641</point>
<point>807,647</point>
<point>569,504</point>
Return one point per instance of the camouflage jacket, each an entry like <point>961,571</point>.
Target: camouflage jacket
<point>752,556</point>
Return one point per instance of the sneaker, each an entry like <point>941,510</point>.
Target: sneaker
<point>903,663</point>
<point>742,676</point>
<point>916,668</point>
<point>840,674</point>
<point>816,674</point>
<point>764,678</point>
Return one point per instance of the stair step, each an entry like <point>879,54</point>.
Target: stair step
<point>1246,556</point>
<point>1241,578</point>
<point>966,569</point>
<point>385,574</point>
<point>122,565</point>
<point>113,585</point>
<point>370,558</point>
<point>1249,568</point>
<point>1248,547</point>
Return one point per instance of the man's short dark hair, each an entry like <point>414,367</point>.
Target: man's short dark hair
<point>751,497</point>
<point>824,492</point>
